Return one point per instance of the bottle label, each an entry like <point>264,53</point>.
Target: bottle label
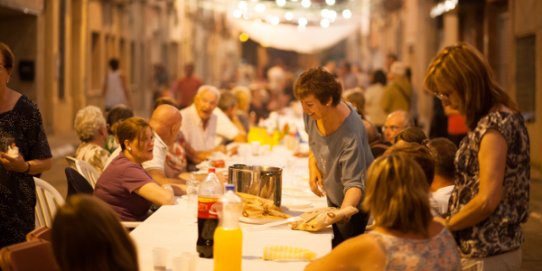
<point>207,208</point>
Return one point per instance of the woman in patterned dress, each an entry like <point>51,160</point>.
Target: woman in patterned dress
<point>20,121</point>
<point>491,195</point>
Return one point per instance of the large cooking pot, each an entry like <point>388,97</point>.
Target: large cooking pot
<point>265,182</point>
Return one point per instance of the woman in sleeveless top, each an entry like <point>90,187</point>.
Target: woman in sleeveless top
<point>405,237</point>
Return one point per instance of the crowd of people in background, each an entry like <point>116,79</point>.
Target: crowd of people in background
<point>440,198</point>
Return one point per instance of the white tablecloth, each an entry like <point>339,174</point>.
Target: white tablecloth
<point>175,227</point>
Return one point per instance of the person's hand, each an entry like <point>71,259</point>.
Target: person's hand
<point>316,181</point>
<point>441,220</point>
<point>16,164</point>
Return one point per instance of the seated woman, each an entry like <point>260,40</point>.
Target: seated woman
<point>405,237</point>
<point>87,235</point>
<point>124,184</point>
<point>91,128</point>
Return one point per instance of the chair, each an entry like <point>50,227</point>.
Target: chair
<point>77,183</point>
<point>28,256</point>
<point>71,161</point>
<point>48,199</point>
<point>43,233</point>
<point>85,169</point>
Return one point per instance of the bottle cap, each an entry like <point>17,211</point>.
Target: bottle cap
<point>230,187</point>
<point>211,169</point>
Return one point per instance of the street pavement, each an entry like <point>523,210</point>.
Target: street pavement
<point>532,249</point>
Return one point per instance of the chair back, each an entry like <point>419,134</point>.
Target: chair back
<point>88,171</point>
<point>43,233</point>
<point>28,256</point>
<point>71,161</point>
<point>77,183</point>
<point>48,199</point>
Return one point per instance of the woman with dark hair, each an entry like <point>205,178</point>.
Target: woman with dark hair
<point>339,150</point>
<point>124,184</point>
<point>491,197</point>
<point>24,153</point>
<point>88,235</point>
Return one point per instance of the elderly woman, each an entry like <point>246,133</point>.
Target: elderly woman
<point>405,236</point>
<point>124,184</point>
<point>91,128</point>
<point>339,150</point>
<point>22,127</point>
<point>491,197</point>
<point>87,235</point>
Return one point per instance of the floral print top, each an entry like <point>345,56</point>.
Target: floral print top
<point>501,231</point>
<point>438,253</point>
<point>93,154</point>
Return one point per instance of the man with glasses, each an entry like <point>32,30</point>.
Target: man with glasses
<point>396,122</point>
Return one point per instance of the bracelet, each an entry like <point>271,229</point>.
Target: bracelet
<point>27,168</point>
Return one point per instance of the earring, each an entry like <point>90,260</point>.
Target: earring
<point>129,149</point>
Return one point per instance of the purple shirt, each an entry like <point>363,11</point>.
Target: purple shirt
<point>116,187</point>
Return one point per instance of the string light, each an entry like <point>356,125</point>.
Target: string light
<point>302,13</point>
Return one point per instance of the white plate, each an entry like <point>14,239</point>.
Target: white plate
<point>258,221</point>
<point>293,203</point>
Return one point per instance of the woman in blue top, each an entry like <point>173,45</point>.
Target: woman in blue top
<point>339,151</point>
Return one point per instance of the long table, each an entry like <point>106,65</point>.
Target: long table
<point>175,227</point>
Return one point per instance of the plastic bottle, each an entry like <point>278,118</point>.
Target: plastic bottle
<point>228,235</point>
<point>210,190</point>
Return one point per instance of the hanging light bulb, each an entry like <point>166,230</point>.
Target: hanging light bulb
<point>288,16</point>
<point>280,3</point>
<point>330,2</point>
<point>306,3</point>
<point>260,8</point>
<point>347,14</point>
<point>324,23</point>
<point>302,21</point>
<point>237,13</point>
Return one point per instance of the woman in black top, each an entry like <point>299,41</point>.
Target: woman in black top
<point>20,123</point>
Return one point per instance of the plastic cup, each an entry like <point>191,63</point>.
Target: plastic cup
<point>159,258</point>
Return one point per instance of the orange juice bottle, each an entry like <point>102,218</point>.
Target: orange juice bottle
<point>228,237</point>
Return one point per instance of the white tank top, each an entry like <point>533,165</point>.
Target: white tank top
<point>114,95</point>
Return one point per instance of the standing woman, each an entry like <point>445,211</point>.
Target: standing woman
<point>340,153</point>
<point>491,195</point>
<point>20,122</point>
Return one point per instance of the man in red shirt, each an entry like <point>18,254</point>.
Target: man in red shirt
<point>185,88</point>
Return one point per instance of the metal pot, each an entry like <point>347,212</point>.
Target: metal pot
<point>265,182</point>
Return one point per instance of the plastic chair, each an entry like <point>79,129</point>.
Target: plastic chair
<point>71,161</point>
<point>48,199</point>
<point>85,169</point>
<point>77,183</point>
<point>28,256</point>
<point>43,233</point>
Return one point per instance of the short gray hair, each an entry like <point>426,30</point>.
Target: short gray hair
<point>209,88</point>
<point>88,122</point>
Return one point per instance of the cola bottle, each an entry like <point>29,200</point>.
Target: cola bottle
<point>210,191</point>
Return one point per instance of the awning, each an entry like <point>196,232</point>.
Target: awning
<point>311,39</point>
